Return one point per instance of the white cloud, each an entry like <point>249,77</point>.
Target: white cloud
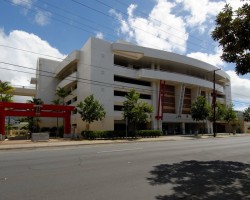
<point>25,41</point>
<point>236,4</point>
<point>213,59</point>
<point>25,3</point>
<point>42,18</point>
<point>99,35</point>
<point>200,11</point>
<point>155,31</point>
<point>240,90</point>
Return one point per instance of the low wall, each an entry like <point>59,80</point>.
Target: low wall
<point>40,137</point>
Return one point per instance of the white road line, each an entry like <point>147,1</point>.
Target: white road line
<point>120,150</point>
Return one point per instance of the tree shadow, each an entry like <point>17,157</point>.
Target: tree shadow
<point>206,180</point>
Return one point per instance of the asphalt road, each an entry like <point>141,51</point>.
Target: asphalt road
<point>193,169</point>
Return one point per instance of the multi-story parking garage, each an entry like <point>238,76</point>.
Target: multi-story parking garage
<point>168,81</point>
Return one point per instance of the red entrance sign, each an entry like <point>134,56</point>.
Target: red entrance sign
<point>32,110</point>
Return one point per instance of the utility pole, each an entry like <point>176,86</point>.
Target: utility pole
<point>214,105</point>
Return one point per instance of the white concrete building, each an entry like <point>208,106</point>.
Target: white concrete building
<point>108,70</point>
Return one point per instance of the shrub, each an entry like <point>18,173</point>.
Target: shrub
<point>45,129</point>
<point>149,133</point>
<point>119,134</point>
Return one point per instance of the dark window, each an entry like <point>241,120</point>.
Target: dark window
<point>74,99</point>
<point>132,81</point>
<point>123,94</point>
<point>118,107</point>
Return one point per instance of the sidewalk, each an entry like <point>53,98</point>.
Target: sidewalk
<point>28,144</point>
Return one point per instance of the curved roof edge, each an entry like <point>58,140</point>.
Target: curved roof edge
<point>165,55</point>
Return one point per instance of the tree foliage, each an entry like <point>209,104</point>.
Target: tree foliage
<point>90,110</point>
<point>246,114</point>
<point>230,114</point>
<point>220,111</point>
<point>62,93</point>
<point>200,109</point>
<point>135,110</point>
<point>36,101</point>
<point>33,124</point>
<point>232,31</point>
<point>6,91</point>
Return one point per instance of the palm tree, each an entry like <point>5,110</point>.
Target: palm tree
<point>62,94</point>
<point>36,101</point>
<point>6,91</point>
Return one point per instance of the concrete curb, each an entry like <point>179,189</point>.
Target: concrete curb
<point>27,144</point>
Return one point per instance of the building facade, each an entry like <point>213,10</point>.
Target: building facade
<point>168,81</point>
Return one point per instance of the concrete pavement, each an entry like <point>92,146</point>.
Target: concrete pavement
<point>28,144</point>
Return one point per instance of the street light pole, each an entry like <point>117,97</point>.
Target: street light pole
<point>214,105</point>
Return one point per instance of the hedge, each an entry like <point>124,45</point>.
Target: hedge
<point>120,134</point>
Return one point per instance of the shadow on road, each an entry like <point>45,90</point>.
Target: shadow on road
<point>206,180</point>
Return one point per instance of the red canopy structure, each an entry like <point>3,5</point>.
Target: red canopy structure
<point>32,110</point>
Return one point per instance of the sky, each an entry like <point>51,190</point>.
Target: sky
<point>53,28</point>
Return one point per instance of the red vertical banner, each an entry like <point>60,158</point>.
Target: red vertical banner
<point>161,100</point>
<point>2,120</point>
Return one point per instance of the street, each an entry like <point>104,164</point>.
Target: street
<point>215,168</point>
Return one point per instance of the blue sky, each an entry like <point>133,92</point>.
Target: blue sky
<point>57,27</point>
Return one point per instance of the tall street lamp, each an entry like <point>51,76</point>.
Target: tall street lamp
<point>214,104</point>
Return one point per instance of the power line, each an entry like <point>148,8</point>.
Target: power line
<point>99,83</point>
<point>107,5</point>
<point>136,27</point>
<point>146,15</point>
<point>85,30</point>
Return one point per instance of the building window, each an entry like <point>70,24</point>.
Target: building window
<point>123,94</point>
<point>187,102</point>
<point>132,81</point>
<point>169,100</point>
<point>203,93</point>
<point>118,107</point>
<point>74,99</point>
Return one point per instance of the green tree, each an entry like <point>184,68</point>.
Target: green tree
<point>6,91</point>
<point>56,101</point>
<point>200,110</point>
<point>232,32</point>
<point>135,110</point>
<point>36,101</point>
<point>230,114</point>
<point>246,114</point>
<point>90,110</point>
<point>62,93</point>
<point>220,111</point>
<point>32,126</point>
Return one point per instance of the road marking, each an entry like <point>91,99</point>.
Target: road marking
<point>120,150</point>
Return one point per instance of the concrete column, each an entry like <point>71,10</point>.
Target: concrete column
<point>179,97</point>
<point>153,66</point>
<point>183,128</point>
<point>195,92</point>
